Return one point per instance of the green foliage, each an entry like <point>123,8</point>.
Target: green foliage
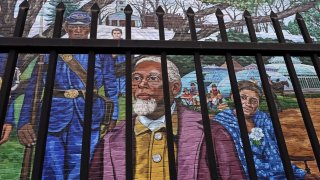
<point>184,63</point>
<point>312,20</point>
<point>70,6</point>
<point>286,102</point>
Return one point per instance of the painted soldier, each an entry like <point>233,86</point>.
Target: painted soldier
<point>64,141</point>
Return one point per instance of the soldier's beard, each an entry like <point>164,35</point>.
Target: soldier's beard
<point>144,107</point>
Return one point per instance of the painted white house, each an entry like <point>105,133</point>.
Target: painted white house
<point>119,18</point>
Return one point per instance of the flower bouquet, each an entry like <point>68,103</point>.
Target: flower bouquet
<point>256,136</point>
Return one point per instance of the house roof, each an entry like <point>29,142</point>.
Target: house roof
<point>121,16</point>
<point>237,66</point>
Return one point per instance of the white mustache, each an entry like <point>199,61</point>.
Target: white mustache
<point>144,107</point>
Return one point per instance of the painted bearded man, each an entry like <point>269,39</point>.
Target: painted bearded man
<point>150,136</point>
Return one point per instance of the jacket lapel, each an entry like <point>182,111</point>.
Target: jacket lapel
<point>117,146</point>
<point>190,138</point>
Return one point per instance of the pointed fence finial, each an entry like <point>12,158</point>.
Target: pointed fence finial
<point>299,17</point>
<point>219,13</point>
<point>160,11</point>
<point>190,12</point>
<point>273,15</point>
<point>60,6</point>
<point>95,7</point>
<point>246,14</point>
<point>128,9</point>
<point>24,4</point>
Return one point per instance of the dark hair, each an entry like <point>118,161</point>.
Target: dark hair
<point>116,29</point>
<point>249,85</point>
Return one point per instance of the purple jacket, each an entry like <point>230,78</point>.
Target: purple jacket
<point>191,155</point>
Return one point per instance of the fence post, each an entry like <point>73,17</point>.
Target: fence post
<point>202,93</point>
<point>86,138</point>
<point>270,101</point>
<point>129,125</point>
<point>236,96</point>
<point>298,91</point>
<point>47,99</point>
<point>165,80</point>
<point>11,63</point>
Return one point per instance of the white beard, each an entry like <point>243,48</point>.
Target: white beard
<point>144,107</point>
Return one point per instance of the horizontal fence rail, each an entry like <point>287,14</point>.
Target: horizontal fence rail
<point>93,46</point>
<point>106,46</point>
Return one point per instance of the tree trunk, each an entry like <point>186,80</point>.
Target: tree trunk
<point>8,20</point>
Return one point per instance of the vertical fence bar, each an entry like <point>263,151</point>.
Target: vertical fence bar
<point>270,101</point>
<point>202,93</point>
<point>129,120</point>
<point>86,138</point>
<point>298,91</point>
<point>308,40</point>
<point>47,99</point>
<point>11,63</point>
<point>168,117</point>
<point>236,96</point>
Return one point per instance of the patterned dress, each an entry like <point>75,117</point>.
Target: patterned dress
<point>266,155</point>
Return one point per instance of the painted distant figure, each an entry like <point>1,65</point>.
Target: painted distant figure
<point>119,60</point>
<point>64,141</point>
<point>150,136</point>
<point>186,97</point>
<point>261,133</point>
<point>214,91</point>
<point>195,94</point>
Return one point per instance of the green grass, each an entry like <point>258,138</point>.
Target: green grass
<point>11,153</point>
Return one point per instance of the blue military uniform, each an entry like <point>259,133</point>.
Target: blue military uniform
<point>119,60</point>
<point>64,141</point>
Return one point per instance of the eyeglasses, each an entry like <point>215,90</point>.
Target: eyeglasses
<point>250,100</point>
<point>151,78</point>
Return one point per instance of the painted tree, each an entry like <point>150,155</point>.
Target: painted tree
<point>70,6</point>
<point>8,19</point>
<point>207,31</point>
<point>312,20</point>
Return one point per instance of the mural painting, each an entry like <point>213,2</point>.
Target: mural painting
<point>107,153</point>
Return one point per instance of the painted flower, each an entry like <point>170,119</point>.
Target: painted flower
<point>256,136</point>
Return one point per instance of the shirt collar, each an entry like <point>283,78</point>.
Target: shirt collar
<point>154,125</point>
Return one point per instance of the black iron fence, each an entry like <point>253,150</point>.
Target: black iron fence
<point>54,46</point>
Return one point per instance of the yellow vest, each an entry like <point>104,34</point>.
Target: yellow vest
<point>151,158</point>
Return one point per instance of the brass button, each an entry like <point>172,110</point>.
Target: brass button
<point>158,136</point>
<point>156,158</point>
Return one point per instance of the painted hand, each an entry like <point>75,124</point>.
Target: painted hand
<point>7,128</point>
<point>26,135</point>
